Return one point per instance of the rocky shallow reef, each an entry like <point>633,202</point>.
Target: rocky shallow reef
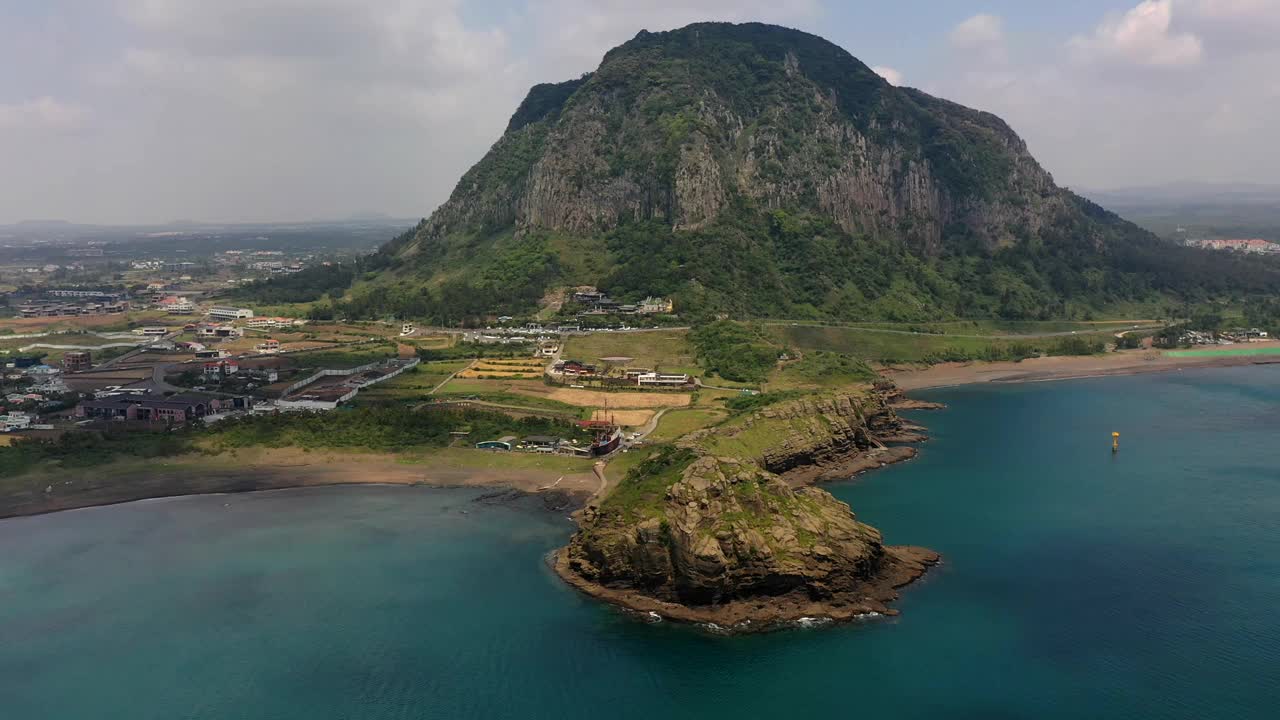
<point>707,531</point>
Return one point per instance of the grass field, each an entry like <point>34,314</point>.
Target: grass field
<point>411,385</point>
<point>343,357</point>
<point>515,393</point>
<point>893,348</point>
<point>678,423</point>
<point>665,350</point>
<point>1226,352</point>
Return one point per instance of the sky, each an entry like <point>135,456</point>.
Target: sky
<point>143,111</point>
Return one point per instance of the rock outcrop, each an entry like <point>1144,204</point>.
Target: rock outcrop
<point>699,536</point>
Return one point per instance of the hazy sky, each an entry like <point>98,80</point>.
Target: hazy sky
<point>125,111</point>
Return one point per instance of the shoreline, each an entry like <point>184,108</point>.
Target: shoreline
<point>266,470</point>
<point>1051,369</point>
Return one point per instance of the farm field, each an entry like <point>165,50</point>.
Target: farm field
<point>666,350</point>
<point>512,393</point>
<point>522,369</point>
<point>410,385</point>
<point>599,399</point>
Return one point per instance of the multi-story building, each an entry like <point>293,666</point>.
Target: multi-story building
<point>77,360</point>
<point>230,313</point>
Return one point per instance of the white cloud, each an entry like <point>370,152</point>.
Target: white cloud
<point>893,77</point>
<point>1142,36</point>
<point>42,113</point>
<point>979,32</point>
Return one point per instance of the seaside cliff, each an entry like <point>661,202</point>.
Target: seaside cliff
<point>720,528</point>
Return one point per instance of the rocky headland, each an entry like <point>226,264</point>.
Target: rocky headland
<point>724,528</point>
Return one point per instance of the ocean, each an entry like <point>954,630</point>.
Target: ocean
<point>1076,583</point>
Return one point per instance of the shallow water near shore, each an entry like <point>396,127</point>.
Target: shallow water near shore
<point>1076,583</point>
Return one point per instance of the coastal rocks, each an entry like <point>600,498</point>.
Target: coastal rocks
<point>731,542</point>
<point>697,535</point>
<point>834,437</point>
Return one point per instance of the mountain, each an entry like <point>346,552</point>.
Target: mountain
<point>761,171</point>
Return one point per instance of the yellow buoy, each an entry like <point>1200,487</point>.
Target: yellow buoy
<point>1115,441</point>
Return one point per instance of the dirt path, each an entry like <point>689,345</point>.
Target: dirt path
<point>451,376</point>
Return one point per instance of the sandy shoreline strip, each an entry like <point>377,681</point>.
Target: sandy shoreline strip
<point>277,469</point>
<point>1044,369</point>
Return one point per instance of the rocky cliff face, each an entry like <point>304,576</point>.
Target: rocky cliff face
<point>673,126</point>
<point>730,542</point>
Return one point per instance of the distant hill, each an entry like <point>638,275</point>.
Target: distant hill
<point>1186,211</point>
<point>761,171</point>
<point>1189,193</point>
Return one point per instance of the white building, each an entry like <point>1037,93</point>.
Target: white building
<point>229,313</point>
<point>14,421</point>
<point>654,379</point>
<point>179,306</point>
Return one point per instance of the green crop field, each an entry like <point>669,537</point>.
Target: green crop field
<point>668,350</point>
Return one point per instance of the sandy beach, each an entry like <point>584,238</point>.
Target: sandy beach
<point>274,469</point>
<point>1126,362</point>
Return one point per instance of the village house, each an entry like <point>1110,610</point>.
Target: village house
<point>14,421</point>
<point>77,361</point>
<point>219,331</point>
<point>574,367</point>
<point>175,305</point>
<point>221,369</point>
<point>175,409</point>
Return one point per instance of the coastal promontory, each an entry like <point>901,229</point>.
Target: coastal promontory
<point>722,528</point>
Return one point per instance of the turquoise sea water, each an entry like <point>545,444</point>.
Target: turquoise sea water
<point>1076,584</point>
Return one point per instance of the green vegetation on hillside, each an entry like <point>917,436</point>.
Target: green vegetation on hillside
<point>641,492</point>
<point>734,351</point>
